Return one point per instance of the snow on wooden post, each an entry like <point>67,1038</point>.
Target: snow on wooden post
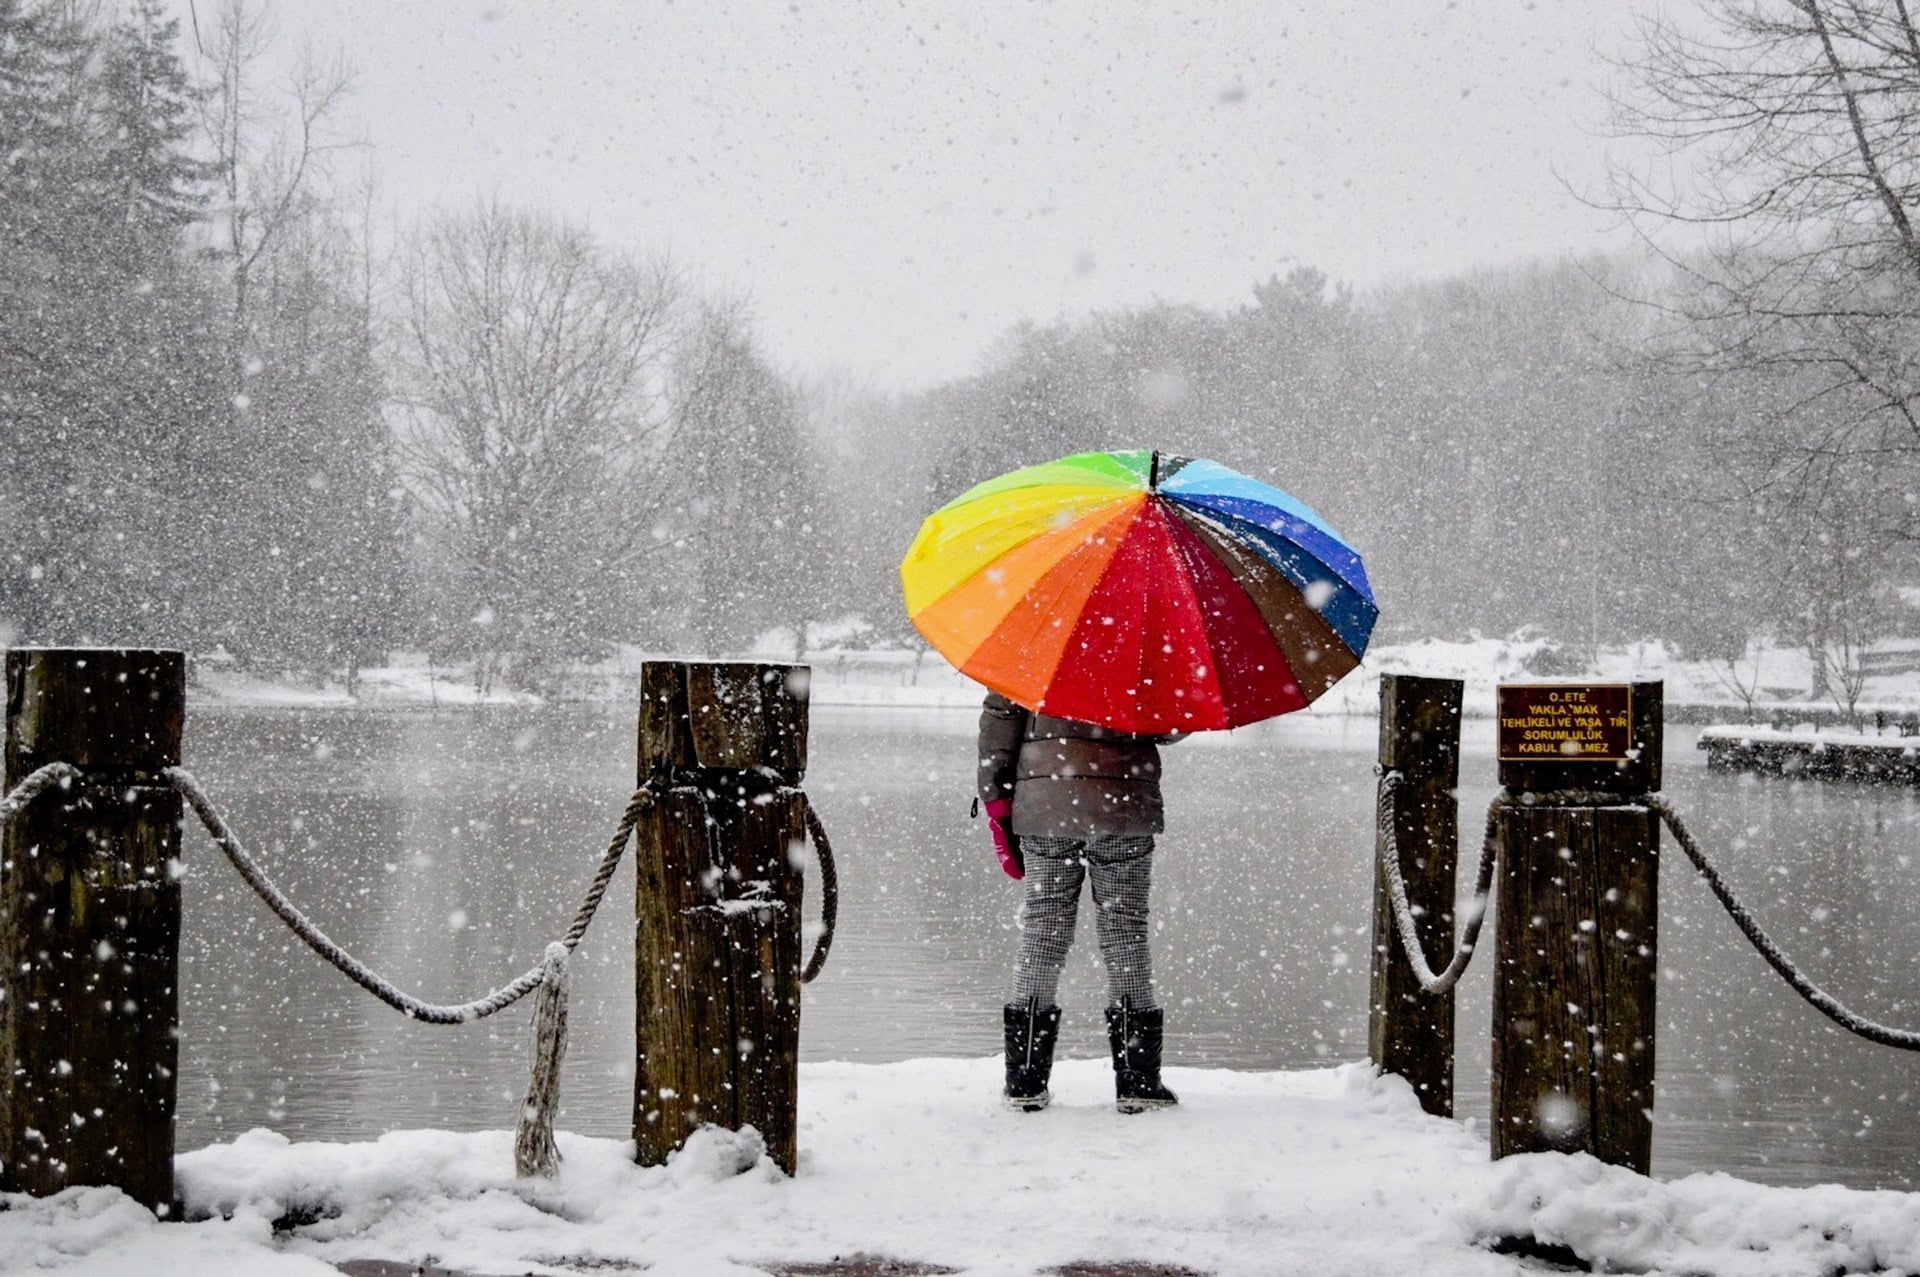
<point>718,946</point>
<point>1410,1031</point>
<point>90,924</point>
<point>1573,991</point>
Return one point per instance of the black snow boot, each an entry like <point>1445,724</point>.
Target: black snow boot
<point>1032,1031</point>
<point>1135,1037</point>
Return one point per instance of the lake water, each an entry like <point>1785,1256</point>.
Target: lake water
<point>447,849</point>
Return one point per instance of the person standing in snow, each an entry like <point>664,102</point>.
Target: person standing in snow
<point>1070,802</point>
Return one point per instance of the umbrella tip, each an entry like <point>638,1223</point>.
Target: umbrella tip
<point>1153,471</point>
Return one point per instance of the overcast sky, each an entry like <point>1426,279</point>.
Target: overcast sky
<point>893,184</point>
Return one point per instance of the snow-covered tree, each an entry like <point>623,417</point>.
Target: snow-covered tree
<point>104,330</point>
<point>751,516</point>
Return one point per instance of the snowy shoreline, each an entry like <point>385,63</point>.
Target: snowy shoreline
<point>1695,691</point>
<point>1326,1171</point>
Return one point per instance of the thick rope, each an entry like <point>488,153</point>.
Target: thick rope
<point>1823,1001</point>
<point>1798,980</point>
<point>534,1150</point>
<point>829,891</point>
<point>1404,924</point>
<point>357,971</point>
<point>37,782</point>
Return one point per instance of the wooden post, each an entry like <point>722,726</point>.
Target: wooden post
<point>718,952</point>
<point>1410,1031</point>
<point>90,924</point>
<point>1577,954</point>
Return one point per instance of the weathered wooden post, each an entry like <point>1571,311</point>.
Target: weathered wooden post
<point>90,924</point>
<point>718,947</point>
<point>1410,1031</point>
<point>1573,992</point>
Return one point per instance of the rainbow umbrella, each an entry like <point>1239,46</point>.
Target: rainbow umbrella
<point>1143,592</point>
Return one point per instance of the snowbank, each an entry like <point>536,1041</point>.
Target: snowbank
<point>410,685</point>
<point>1327,1172</point>
<point>1907,746</point>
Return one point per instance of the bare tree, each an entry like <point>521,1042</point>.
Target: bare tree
<point>1792,131</point>
<point>309,532</point>
<point>1843,602</point>
<point>271,147</point>
<point>1791,135</point>
<point>535,418</point>
<point>1740,673</point>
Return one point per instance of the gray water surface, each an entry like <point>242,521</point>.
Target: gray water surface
<point>447,849</point>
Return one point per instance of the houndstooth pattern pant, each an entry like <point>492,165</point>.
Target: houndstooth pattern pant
<point>1121,869</point>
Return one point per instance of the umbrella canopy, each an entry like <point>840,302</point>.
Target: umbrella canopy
<point>1143,592</point>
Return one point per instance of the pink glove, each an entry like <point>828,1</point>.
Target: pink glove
<point>1005,841</point>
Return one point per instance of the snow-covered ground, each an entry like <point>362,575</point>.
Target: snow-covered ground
<point>1326,1172</point>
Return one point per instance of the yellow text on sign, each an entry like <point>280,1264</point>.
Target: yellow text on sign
<point>1548,722</point>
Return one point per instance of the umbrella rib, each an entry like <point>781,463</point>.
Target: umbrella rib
<point>1207,510</point>
<point>1229,526</point>
<point>1228,546</point>
<point>1224,557</point>
<point>1183,579</point>
<point>1234,521</point>
<point>1048,595</point>
<point>1285,502</point>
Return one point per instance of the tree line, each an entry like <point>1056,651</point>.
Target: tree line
<point>1488,442</point>
<point>1710,441</point>
<point>242,412</point>
<point>235,421</point>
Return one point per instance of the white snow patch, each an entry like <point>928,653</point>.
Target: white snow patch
<point>1331,1171</point>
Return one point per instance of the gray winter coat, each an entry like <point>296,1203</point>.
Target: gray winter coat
<point>1067,778</point>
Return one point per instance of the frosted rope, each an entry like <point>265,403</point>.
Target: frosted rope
<point>37,782</point>
<point>1405,926</point>
<point>534,1152</point>
<point>1404,923</point>
<point>829,886</point>
<point>357,971</point>
<point>1798,980</point>
<point>1820,999</point>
